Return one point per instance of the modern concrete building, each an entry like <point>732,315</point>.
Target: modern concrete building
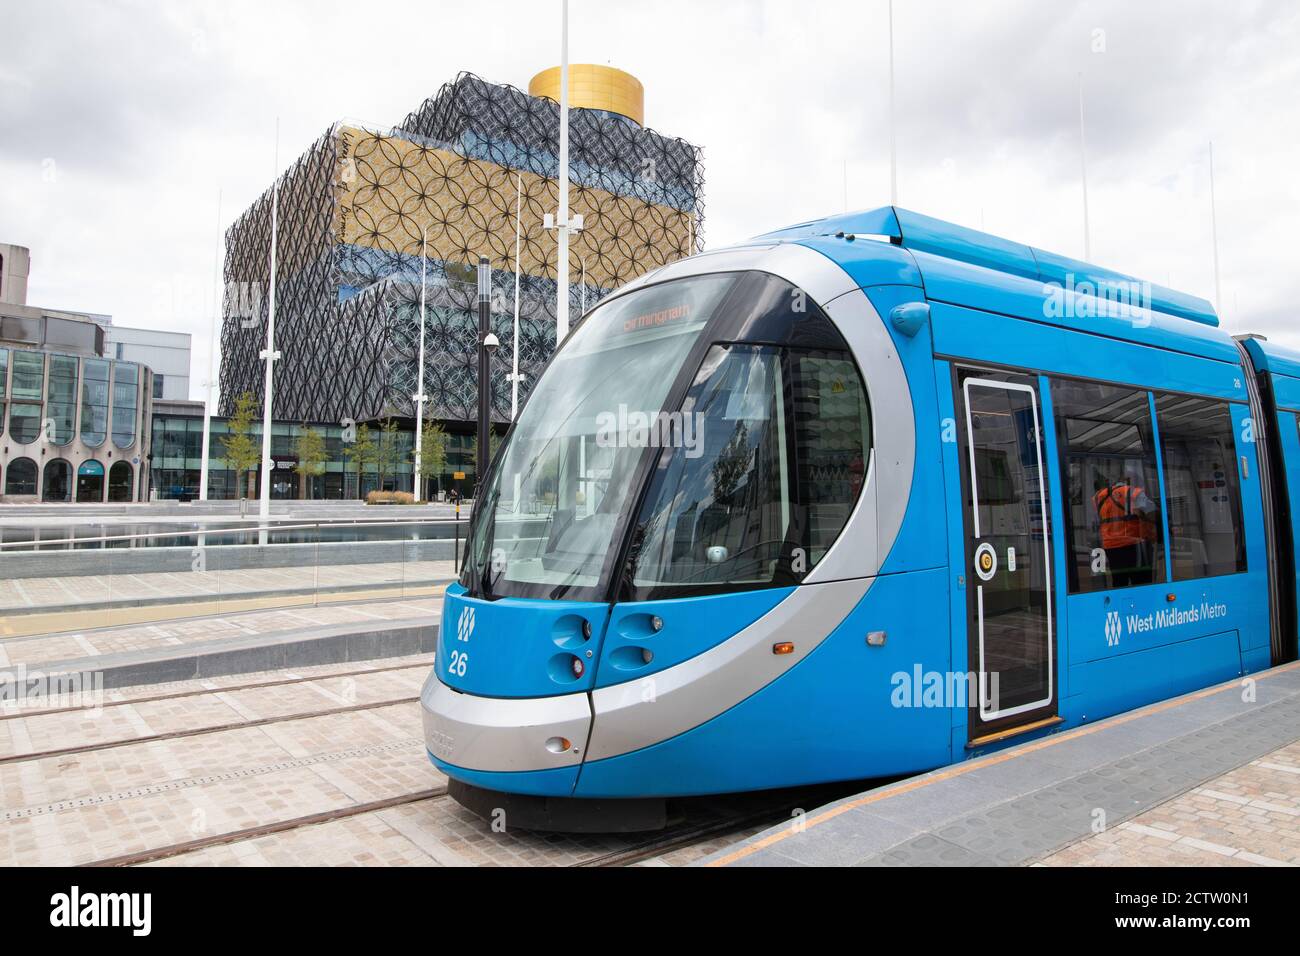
<point>74,426</point>
<point>15,265</point>
<point>166,353</point>
<point>76,397</point>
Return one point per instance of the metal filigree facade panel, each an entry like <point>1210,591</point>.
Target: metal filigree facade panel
<point>366,215</point>
<point>306,279</point>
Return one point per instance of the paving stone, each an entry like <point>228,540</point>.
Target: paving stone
<point>1203,781</point>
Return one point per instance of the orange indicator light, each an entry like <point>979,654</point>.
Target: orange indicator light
<point>785,647</point>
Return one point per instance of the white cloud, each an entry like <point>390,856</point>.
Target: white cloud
<point>146,110</point>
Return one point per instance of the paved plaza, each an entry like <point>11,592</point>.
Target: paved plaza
<point>54,605</point>
<point>38,651</point>
<point>225,771</point>
<point>1207,777</point>
<point>320,759</point>
<point>1247,817</point>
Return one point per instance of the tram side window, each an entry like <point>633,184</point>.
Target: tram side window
<point>1201,486</point>
<point>1113,529</point>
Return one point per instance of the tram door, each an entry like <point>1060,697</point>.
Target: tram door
<point>1008,547</point>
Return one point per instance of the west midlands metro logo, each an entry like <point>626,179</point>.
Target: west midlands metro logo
<point>1113,629</point>
<point>465,624</point>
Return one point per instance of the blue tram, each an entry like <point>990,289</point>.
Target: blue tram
<point>860,498</point>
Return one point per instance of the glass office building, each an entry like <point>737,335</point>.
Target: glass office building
<point>177,450</point>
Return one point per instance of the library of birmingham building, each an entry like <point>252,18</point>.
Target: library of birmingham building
<point>364,212</point>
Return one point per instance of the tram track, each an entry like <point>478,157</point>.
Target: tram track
<point>680,838</point>
<point>675,838</point>
<point>208,691</point>
<point>266,829</point>
<point>200,731</point>
<point>778,808</point>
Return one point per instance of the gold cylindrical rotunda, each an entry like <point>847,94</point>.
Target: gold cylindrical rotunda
<point>595,87</point>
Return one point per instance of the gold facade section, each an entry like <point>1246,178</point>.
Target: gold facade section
<point>594,87</point>
<point>390,189</point>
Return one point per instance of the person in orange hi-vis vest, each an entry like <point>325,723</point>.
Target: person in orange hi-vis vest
<point>1126,518</point>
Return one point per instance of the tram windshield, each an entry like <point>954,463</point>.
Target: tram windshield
<point>546,523</point>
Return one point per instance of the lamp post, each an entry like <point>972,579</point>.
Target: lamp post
<point>419,388</point>
<point>487,345</point>
<point>1083,176</point>
<point>270,355</point>
<point>893,125</point>
<point>514,357</point>
<point>1214,236</point>
<point>562,223</point>
<point>204,465</point>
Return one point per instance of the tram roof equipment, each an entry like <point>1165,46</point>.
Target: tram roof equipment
<point>925,234</point>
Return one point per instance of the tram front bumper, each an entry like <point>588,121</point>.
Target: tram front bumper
<point>489,735</point>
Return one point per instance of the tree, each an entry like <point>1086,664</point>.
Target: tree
<point>433,453</point>
<point>361,452</point>
<point>241,451</point>
<point>309,447</point>
<point>388,450</point>
<point>494,446</point>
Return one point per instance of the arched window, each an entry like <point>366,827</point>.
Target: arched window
<point>21,478</point>
<point>90,481</point>
<point>56,484</point>
<point>119,481</point>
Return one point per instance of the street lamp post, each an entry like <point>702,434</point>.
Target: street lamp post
<point>205,461</point>
<point>1214,236</point>
<point>562,223</point>
<point>1083,177</point>
<point>893,125</point>
<point>419,388</point>
<point>514,345</point>
<point>270,355</point>
<point>487,345</point>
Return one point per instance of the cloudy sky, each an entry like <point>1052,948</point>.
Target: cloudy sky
<point>120,122</point>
